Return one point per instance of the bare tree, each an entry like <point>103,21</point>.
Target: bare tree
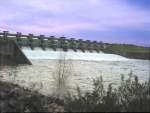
<point>61,75</point>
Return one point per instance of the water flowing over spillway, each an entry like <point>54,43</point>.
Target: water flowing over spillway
<point>38,53</point>
<point>84,68</point>
<point>80,67</point>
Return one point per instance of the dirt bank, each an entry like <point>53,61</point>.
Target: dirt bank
<point>14,98</point>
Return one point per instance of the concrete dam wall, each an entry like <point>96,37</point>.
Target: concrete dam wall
<point>11,54</point>
<point>53,42</point>
<point>12,49</point>
<point>11,44</point>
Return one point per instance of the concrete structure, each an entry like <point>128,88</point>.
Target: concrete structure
<point>11,54</point>
<point>10,46</point>
<point>44,42</point>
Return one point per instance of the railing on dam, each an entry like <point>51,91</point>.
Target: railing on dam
<point>52,42</point>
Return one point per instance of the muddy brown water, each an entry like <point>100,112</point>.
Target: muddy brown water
<point>40,76</point>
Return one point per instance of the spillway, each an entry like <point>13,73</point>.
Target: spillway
<point>83,68</point>
<point>38,53</point>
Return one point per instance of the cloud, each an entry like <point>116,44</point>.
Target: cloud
<point>71,17</point>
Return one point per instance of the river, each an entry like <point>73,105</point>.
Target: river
<point>40,75</point>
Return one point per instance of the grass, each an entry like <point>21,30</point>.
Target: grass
<point>130,96</point>
<point>129,51</point>
<point>129,48</point>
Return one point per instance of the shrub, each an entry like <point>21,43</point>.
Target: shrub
<point>129,96</point>
<point>61,76</point>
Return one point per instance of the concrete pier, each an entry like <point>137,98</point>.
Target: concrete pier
<point>11,54</point>
<point>45,42</point>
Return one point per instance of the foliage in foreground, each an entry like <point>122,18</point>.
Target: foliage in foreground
<point>130,96</point>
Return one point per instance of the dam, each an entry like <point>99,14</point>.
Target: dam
<point>19,49</point>
<point>85,60</point>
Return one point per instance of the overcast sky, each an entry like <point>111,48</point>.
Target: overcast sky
<point>116,21</point>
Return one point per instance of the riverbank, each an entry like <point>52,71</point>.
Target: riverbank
<point>40,76</point>
<point>14,98</point>
<point>130,96</point>
<point>129,51</point>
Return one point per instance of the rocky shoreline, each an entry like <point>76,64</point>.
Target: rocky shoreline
<point>14,98</point>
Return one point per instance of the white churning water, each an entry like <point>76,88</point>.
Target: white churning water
<point>38,53</point>
<point>84,68</point>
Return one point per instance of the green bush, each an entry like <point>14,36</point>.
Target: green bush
<point>129,96</point>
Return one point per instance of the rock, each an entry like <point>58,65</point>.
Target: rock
<point>3,95</point>
<point>53,107</point>
<point>14,98</point>
<point>50,110</point>
<point>56,110</point>
<point>13,103</point>
<point>3,106</point>
<point>27,110</point>
<point>61,109</point>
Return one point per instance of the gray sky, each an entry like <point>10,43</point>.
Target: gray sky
<point>116,21</point>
